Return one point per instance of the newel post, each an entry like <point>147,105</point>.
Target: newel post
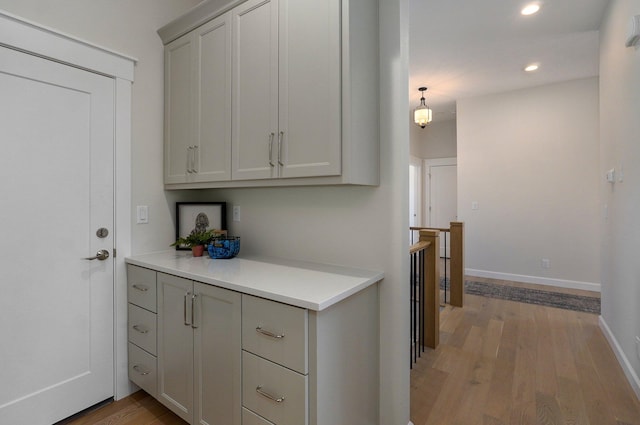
<point>432,287</point>
<point>457,263</point>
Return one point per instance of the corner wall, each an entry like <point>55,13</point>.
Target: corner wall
<point>620,149</point>
<point>530,159</point>
<point>436,140</point>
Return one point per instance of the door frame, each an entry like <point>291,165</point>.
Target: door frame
<point>32,38</point>
<point>428,163</point>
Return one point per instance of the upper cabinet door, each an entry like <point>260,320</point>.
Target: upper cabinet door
<point>212,150</point>
<point>255,90</point>
<point>178,123</point>
<point>309,90</point>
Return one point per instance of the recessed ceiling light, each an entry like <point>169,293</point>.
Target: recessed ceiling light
<point>530,9</point>
<point>532,67</point>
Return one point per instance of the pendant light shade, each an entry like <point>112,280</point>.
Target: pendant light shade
<point>422,115</point>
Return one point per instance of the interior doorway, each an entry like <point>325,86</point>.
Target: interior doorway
<point>441,196</point>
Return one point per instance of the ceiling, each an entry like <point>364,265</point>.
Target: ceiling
<point>467,48</point>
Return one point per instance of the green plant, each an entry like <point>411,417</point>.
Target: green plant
<point>196,238</point>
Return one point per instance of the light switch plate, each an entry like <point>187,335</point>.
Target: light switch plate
<point>142,214</point>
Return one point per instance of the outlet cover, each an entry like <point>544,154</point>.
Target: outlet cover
<point>236,213</point>
<point>546,263</point>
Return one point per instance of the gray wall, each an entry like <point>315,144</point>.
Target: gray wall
<point>619,130</point>
<point>436,140</point>
<point>530,160</point>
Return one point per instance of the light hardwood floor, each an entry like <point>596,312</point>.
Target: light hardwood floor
<point>507,363</point>
<point>137,409</point>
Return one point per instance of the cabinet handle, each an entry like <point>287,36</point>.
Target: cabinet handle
<point>141,371</point>
<point>185,309</point>
<point>280,137</point>
<point>269,334</point>
<point>141,288</point>
<point>269,396</point>
<point>193,311</point>
<point>140,329</point>
<point>194,161</point>
<point>271,136</point>
<point>189,148</point>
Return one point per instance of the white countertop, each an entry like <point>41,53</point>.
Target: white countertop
<point>302,284</point>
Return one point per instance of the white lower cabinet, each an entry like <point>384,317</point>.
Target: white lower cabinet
<point>199,351</point>
<point>229,358</point>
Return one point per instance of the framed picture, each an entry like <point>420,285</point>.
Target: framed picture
<point>199,216</point>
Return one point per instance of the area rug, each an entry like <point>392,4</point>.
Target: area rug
<point>531,296</point>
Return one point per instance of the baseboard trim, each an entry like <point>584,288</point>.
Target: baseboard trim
<point>631,375</point>
<point>536,280</point>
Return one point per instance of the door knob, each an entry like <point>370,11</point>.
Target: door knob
<point>101,255</point>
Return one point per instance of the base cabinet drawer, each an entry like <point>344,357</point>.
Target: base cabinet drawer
<point>141,287</point>
<point>275,331</point>
<point>142,328</point>
<point>276,393</point>
<point>250,418</point>
<point>143,369</point>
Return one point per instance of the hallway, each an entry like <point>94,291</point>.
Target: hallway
<point>508,363</point>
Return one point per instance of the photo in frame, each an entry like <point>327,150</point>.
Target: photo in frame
<point>199,216</point>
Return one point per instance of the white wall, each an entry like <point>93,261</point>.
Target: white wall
<point>619,130</point>
<point>128,27</point>
<point>436,140</point>
<point>530,158</point>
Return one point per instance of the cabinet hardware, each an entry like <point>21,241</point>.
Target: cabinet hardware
<point>140,329</point>
<point>141,371</point>
<point>194,162</point>
<point>193,311</point>
<point>280,137</point>
<point>189,150</point>
<point>269,396</point>
<point>141,288</point>
<point>185,309</point>
<point>271,136</point>
<point>269,334</point>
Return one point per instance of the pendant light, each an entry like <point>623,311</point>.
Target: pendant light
<point>422,115</point>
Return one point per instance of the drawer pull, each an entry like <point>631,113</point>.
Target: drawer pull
<point>141,288</point>
<point>140,329</point>
<point>269,396</point>
<point>141,371</point>
<point>269,334</point>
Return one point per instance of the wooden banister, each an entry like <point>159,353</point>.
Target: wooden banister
<point>418,246</point>
<point>457,263</point>
<point>432,287</point>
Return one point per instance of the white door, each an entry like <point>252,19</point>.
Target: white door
<point>56,183</point>
<point>443,196</point>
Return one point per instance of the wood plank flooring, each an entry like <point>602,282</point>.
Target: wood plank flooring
<point>137,409</point>
<point>507,363</point>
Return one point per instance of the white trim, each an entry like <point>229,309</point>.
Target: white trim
<point>631,375</point>
<point>560,283</point>
<point>441,161</point>
<point>122,240</point>
<point>36,39</point>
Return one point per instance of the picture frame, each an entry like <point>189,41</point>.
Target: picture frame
<point>201,215</point>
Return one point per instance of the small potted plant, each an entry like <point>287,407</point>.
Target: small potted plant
<point>196,241</point>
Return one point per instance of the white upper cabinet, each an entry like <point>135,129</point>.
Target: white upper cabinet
<point>284,93</point>
<point>309,134</point>
<point>198,104</point>
<point>178,124</point>
<point>255,90</point>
